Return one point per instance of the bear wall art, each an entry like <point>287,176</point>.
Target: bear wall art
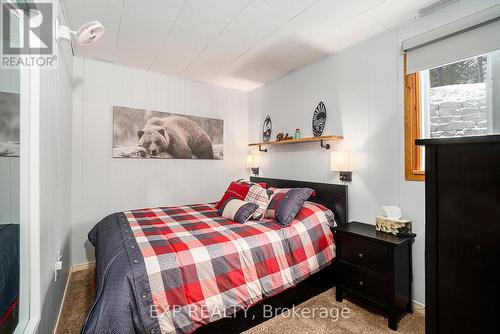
<point>146,134</point>
<point>9,125</point>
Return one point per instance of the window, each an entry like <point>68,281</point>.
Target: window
<point>413,153</point>
<point>451,83</point>
<point>454,100</point>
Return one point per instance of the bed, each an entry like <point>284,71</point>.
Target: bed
<point>9,277</point>
<point>186,269</point>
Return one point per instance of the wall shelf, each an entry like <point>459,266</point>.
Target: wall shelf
<point>301,140</point>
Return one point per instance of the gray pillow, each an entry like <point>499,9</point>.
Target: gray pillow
<point>286,203</point>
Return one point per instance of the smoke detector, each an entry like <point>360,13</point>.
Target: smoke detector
<point>86,35</point>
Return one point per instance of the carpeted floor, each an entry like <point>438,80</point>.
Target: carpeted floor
<point>80,295</point>
<point>77,303</point>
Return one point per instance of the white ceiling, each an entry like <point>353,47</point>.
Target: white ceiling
<point>233,43</point>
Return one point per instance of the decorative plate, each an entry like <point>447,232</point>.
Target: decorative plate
<point>267,129</point>
<point>319,119</point>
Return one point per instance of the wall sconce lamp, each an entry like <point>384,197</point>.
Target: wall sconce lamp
<point>342,162</point>
<point>252,164</point>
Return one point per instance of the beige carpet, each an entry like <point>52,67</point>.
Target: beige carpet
<point>360,320</point>
<point>77,303</point>
<point>80,295</point>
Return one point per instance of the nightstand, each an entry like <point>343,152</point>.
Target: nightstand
<point>375,268</point>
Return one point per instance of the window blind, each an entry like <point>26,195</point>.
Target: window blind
<point>471,36</point>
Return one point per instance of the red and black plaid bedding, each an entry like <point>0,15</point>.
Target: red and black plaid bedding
<point>202,267</point>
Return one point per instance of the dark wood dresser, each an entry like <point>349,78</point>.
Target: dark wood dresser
<point>375,268</point>
<point>462,234</point>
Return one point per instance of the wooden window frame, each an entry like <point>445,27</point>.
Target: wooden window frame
<point>413,172</point>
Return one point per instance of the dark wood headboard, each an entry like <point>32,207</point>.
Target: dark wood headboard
<point>332,196</point>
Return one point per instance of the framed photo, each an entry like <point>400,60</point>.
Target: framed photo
<point>9,125</point>
<point>145,134</point>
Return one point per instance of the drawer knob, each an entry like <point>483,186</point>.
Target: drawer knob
<point>360,283</point>
<point>361,255</point>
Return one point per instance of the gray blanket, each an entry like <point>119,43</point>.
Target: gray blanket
<point>117,308</point>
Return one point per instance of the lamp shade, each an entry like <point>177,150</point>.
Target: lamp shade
<point>251,161</point>
<point>340,161</point>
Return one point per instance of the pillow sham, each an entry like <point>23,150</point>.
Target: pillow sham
<point>237,210</point>
<point>234,190</point>
<point>260,196</point>
<point>286,203</point>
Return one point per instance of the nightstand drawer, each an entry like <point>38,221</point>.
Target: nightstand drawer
<point>364,283</point>
<point>364,253</point>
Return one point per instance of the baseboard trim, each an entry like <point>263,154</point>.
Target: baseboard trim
<point>418,306</point>
<point>74,268</point>
<point>62,301</point>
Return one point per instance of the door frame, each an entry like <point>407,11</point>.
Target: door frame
<point>30,278</point>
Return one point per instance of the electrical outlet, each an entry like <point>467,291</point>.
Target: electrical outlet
<point>57,267</point>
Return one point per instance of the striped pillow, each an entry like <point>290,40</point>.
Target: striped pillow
<point>258,195</point>
<point>237,210</point>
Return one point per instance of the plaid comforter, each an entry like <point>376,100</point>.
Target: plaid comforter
<point>191,266</point>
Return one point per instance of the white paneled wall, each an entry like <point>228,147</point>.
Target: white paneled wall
<point>102,185</point>
<point>55,180</point>
<point>358,87</point>
<point>9,167</point>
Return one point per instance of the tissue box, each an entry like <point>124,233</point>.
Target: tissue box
<point>399,227</point>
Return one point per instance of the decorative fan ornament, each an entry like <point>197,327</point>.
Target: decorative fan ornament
<point>319,119</point>
<point>267,129</point>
